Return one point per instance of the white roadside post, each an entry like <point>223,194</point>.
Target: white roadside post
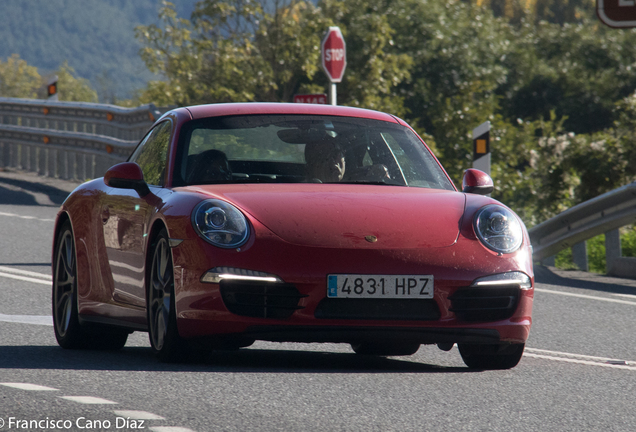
<point>481,147</point>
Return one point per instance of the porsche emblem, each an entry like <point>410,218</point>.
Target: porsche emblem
<point>371,238</point>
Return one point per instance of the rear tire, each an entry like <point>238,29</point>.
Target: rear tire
<point>491,357</point>
<point>162,318</point>
<point>68,331</point>
<point>386,348</point>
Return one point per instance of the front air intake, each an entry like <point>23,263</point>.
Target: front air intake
<point>260,299</point>
<point>485,304</point>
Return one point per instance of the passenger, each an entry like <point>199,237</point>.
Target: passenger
<point>210,166</point>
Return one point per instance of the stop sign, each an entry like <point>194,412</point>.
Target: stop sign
<point>334,54</point>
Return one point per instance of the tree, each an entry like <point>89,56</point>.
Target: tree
<point>258,50</point>
<point>18,79</point>
<point>73,88</point>
<point>233,51</point>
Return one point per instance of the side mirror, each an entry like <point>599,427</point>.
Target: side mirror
<point>127,175</point>
<point>477,182</point>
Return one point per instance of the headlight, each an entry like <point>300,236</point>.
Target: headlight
<point>498,229</point>
<point>220,223</point>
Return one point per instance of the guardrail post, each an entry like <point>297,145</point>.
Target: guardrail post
<point>549,261</point>
<point>579,256</point>
<point>612,247</point>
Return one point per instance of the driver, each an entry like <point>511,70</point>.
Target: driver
<point>325,162</point>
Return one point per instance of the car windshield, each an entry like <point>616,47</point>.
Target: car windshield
<point>304,149</point>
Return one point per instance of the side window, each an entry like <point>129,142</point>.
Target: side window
<point>152,154</point>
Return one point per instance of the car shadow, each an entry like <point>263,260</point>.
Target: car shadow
<point>21,192</point>
<point>243,360</point>
<point>584,280</point>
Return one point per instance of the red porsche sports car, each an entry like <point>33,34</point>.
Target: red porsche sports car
<point>232,223</point>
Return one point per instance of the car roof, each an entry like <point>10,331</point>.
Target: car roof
<point>247,108</point>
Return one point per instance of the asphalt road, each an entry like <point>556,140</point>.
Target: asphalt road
<point>578,373</point>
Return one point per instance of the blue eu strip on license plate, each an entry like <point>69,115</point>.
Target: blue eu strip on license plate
<point>332,286</point>
<point>380,286</point>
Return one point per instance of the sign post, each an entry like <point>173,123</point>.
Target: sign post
<point>51,88</point>
<point>617,13</point>
<point>333,52</point>
<point>481,147</point>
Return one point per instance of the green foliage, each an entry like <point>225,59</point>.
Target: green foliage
<point>73,88</point>
<point>576,70</point>
<point>628,241</point>
<point>596,251</point>
<point>232,51</point>
<point>553,11</point>
<point>18,79</point>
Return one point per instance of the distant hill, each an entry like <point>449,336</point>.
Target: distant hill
<point>95,36</point>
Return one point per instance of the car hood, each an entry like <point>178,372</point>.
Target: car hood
<point>342,216</point>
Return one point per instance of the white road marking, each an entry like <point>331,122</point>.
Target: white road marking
<point>25,273</point>
<point>585,362</point>
<point>26,217</point>
<point>28,319</point>
<point>170,429</point>
<point>25,278</point>
<point>26,386</point>
<point>139,415</point>
<point>580,359</point>
<point>583,356</point>
<point>585,296</point>
<point>89,400</point>
<point>631,296</point>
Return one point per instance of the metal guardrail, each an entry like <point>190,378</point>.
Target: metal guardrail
<point>65,155</point>
<point>586,220</point>
<point>128,124</point>
<point>599,215</point>
<point>69,140</point>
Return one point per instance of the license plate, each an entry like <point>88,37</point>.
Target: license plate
<point>380,286</point>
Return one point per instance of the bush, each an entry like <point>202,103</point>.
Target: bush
<point>596,251</point>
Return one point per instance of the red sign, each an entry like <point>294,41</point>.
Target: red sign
<point>334,54</point>
<point>617,13</point>
<point>320,98</point>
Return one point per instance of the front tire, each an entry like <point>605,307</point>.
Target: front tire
<point>162,319</point>
<point>491,357</point>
